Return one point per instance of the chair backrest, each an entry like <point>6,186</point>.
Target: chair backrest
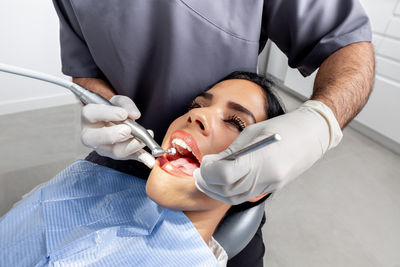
<point>236,230</point>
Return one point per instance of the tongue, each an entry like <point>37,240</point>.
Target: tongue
<point>187,165</point>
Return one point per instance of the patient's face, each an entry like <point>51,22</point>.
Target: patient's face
<point>215,119</point>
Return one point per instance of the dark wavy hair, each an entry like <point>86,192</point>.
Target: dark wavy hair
<point>273,106</point>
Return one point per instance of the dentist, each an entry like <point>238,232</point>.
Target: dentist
<point>156,55</point>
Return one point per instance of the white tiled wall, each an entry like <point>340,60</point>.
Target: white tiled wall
<point>382,112</point>
<point>394,27</point>
<point>380,12</point>
<point>389,47</point>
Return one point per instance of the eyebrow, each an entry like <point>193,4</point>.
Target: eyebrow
<point>240,108</point>
<point>231,105</point>
<point>206,95</point>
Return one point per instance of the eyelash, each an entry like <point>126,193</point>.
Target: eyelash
<point>234,119</point>
<point>193,105</point>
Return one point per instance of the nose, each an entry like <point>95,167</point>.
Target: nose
<point>199,120</point>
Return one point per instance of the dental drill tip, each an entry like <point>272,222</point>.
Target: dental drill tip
<point>159,152</point>
<point>171,151</point>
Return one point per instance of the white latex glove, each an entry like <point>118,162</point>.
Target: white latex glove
<point>108,139</point>
<point>307,133</point>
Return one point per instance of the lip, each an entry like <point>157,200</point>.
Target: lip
<point>164,160</point>
<point>189,140</point>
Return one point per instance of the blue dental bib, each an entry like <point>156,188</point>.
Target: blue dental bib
<point>90,215</point>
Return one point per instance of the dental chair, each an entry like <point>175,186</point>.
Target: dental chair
<point>236,230</point>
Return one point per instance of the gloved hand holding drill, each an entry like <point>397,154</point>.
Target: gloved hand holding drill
<point>108,139</point>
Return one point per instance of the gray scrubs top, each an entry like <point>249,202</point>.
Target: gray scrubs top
<point>162,53</point>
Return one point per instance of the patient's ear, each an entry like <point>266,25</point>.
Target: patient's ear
<point>257,198</point>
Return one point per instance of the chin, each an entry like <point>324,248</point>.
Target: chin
<point>177,192</point>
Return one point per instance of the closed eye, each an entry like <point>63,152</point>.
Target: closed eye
<point>194,104</point>
<point>236,121</point>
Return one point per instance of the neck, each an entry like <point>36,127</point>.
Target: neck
<point>206,221</point>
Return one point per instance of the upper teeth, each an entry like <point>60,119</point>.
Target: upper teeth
<point>179,142</point>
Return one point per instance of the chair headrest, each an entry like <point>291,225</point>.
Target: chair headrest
<point>236,230</point>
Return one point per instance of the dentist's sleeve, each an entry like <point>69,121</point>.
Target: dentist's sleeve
<point>308,31</point>
<point>76,58</point>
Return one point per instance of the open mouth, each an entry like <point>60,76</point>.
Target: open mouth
<point>187,158</point>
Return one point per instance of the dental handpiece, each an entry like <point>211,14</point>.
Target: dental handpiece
<point>89,97</point>
<point>257,145</point>
<point>137,130</point>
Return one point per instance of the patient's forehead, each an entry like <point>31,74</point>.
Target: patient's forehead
<point>244,92</point>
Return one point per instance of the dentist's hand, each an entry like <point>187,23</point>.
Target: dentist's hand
<point>307,133</point>
<point>108,139</point>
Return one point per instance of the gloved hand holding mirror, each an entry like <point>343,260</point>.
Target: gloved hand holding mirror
<point>307,133</point>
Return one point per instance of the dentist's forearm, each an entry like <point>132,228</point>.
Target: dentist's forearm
<point>96,85</point>
<point>345,79</point>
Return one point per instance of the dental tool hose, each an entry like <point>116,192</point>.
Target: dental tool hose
<point>89,97</point>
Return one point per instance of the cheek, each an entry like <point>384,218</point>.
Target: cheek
<point>177,124</point>
<point>222,138</point>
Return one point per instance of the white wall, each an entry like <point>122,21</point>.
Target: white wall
<point>29,38</point>
<point>382,112</point>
